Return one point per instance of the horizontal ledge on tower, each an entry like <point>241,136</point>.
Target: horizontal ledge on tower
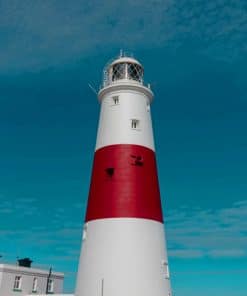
<point>121,86</point>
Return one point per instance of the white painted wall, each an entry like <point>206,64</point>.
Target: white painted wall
<point>9,272</point>
<point>127,254</point>
<point>124,256</point>
<point>115,120</point>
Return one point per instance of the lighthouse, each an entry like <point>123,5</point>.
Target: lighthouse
<point>124,250</point>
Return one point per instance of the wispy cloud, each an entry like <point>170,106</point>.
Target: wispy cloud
<point>23,206</point>
<point>185,253</point>
<point>191,232</point>
<point>214,233</point>
<point>43,230</point>
<point>36,34</point>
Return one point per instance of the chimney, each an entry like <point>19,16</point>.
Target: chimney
<point>25,262</point>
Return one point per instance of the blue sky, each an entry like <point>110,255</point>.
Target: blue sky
<point>194,54</point>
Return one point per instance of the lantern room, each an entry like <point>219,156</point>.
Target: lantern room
<point>123,69</point>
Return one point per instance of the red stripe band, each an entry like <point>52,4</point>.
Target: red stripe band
<point>124,183</point>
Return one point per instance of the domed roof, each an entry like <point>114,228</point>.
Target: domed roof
<point>125,60</point>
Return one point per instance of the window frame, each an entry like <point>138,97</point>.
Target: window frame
<point>134,72</point>
<point>35,285</point>
<point>148,106</point>
<point>50,286</point>
<point>118,71</point>
<point>165,268</point>
<point>84,233</point>
<point>135,124</point>
<point>115,100</point>
<point>17,283</point>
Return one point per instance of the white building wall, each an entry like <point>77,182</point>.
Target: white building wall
<point>52,295</point>
<point>9,272</point>
<point>1,275</point>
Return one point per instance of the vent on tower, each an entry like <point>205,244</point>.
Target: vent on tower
<point>137,160</point>
<point>110,172</point>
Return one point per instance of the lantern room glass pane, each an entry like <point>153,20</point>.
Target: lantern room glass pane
<point>135,72</point>
<point>118,71</point>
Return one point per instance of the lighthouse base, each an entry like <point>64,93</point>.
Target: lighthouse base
<point>123,256</point>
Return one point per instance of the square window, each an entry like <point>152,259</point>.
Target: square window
<point>115,100</point>
<point>135,123</point>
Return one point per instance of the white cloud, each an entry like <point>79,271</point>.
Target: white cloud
<point>186,253</point>
<point>227,253</point>
<point>21,206</point>
<point>191,232</point>
<point>41,33</point>
<point>213,233</point>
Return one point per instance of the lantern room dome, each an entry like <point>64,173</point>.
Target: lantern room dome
<point>125,60</point>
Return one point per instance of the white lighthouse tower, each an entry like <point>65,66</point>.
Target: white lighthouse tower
<point>123,250</point>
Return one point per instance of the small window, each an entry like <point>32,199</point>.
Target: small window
<point>167,271</point>
<point>115,100</point>
<point>135,123</point>
<point>35,285</point>
<point>50,288</point>
<point>84,235</point>
<point>148,106</point>
<point>165,268</point>
<point>17,283</point>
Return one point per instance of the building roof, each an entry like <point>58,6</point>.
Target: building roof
<point>29,270</point>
